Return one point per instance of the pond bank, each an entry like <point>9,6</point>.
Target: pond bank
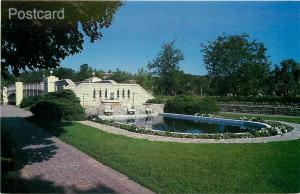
<point>294,134</point>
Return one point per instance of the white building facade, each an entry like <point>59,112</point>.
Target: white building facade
<point>95,94</point>
<point>95,91</point>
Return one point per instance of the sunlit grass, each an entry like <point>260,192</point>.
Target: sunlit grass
<point>177,167</point>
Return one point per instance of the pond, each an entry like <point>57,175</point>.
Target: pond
<point>161,123</point>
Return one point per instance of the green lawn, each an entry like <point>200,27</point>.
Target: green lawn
<point>175,167</point>
<point>291,119</point>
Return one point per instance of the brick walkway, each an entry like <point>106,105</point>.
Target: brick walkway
<point>47,159</point>
<point>295,134</point>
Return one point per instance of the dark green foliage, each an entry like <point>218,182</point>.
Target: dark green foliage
<point>236,65</point>
<point>59,105</point>
<point>191,105</point>
<point>65,73</point>
<point>30,44</point>
<point>121,76</point>
<point>7,151</point>
<point>165,68</point>
<point>30,101</point>
<point>261,99</point>
<point>285,80</point>
<point>144,78</point>
<point>47,110</point>
<point>85,72</point>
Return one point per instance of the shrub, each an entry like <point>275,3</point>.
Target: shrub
<point>191,105</point>
<point>47,110</point>
<point>30,101</point>
<point>59,105</point>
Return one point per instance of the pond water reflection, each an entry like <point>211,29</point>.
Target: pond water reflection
<point>183,126</point>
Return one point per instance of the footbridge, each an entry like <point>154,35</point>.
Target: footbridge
<point>14,94</point>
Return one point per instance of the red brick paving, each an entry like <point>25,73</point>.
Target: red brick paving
<point>52,160</point>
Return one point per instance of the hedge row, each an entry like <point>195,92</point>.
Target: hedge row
<point>191,105</point>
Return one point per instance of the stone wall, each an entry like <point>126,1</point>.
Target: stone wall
<point>93,94</point>
<point>122,110</point>
<point>293,110</point>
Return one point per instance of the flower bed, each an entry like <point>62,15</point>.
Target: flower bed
<point>276,129</point>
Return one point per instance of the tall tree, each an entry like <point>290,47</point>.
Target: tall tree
<point>120,76</point>
<point>236,64</point>
<point>165,67</point>
<point>29,44</point>
<point>285,80</point>
<point>143,77</point>
<point>84,73</point>
<point>64,73</point>
<point>32,76</point>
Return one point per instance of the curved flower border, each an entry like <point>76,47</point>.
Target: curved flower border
<point>276,129</point>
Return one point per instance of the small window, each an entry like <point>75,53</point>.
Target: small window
<point>94,94</point>
<point>123,93</point>
<point>118,93</point>
<point>100,93</point>
<point>128,93</point>
<point>112,96</point>
<point>105,93</point>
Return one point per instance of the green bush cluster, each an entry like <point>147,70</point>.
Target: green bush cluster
<point>261,99</point>
<point>191,105</point>
<point>29,101</point>
<point>61,105</point>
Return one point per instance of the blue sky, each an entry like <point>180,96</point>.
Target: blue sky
<point>140,28</point>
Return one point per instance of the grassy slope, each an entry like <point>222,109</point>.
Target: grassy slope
<point>175,167</point>
<point>291,119</point>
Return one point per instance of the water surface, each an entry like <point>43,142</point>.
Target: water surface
<point>182,126</point>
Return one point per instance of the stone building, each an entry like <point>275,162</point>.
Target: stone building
<point>96,95</point>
